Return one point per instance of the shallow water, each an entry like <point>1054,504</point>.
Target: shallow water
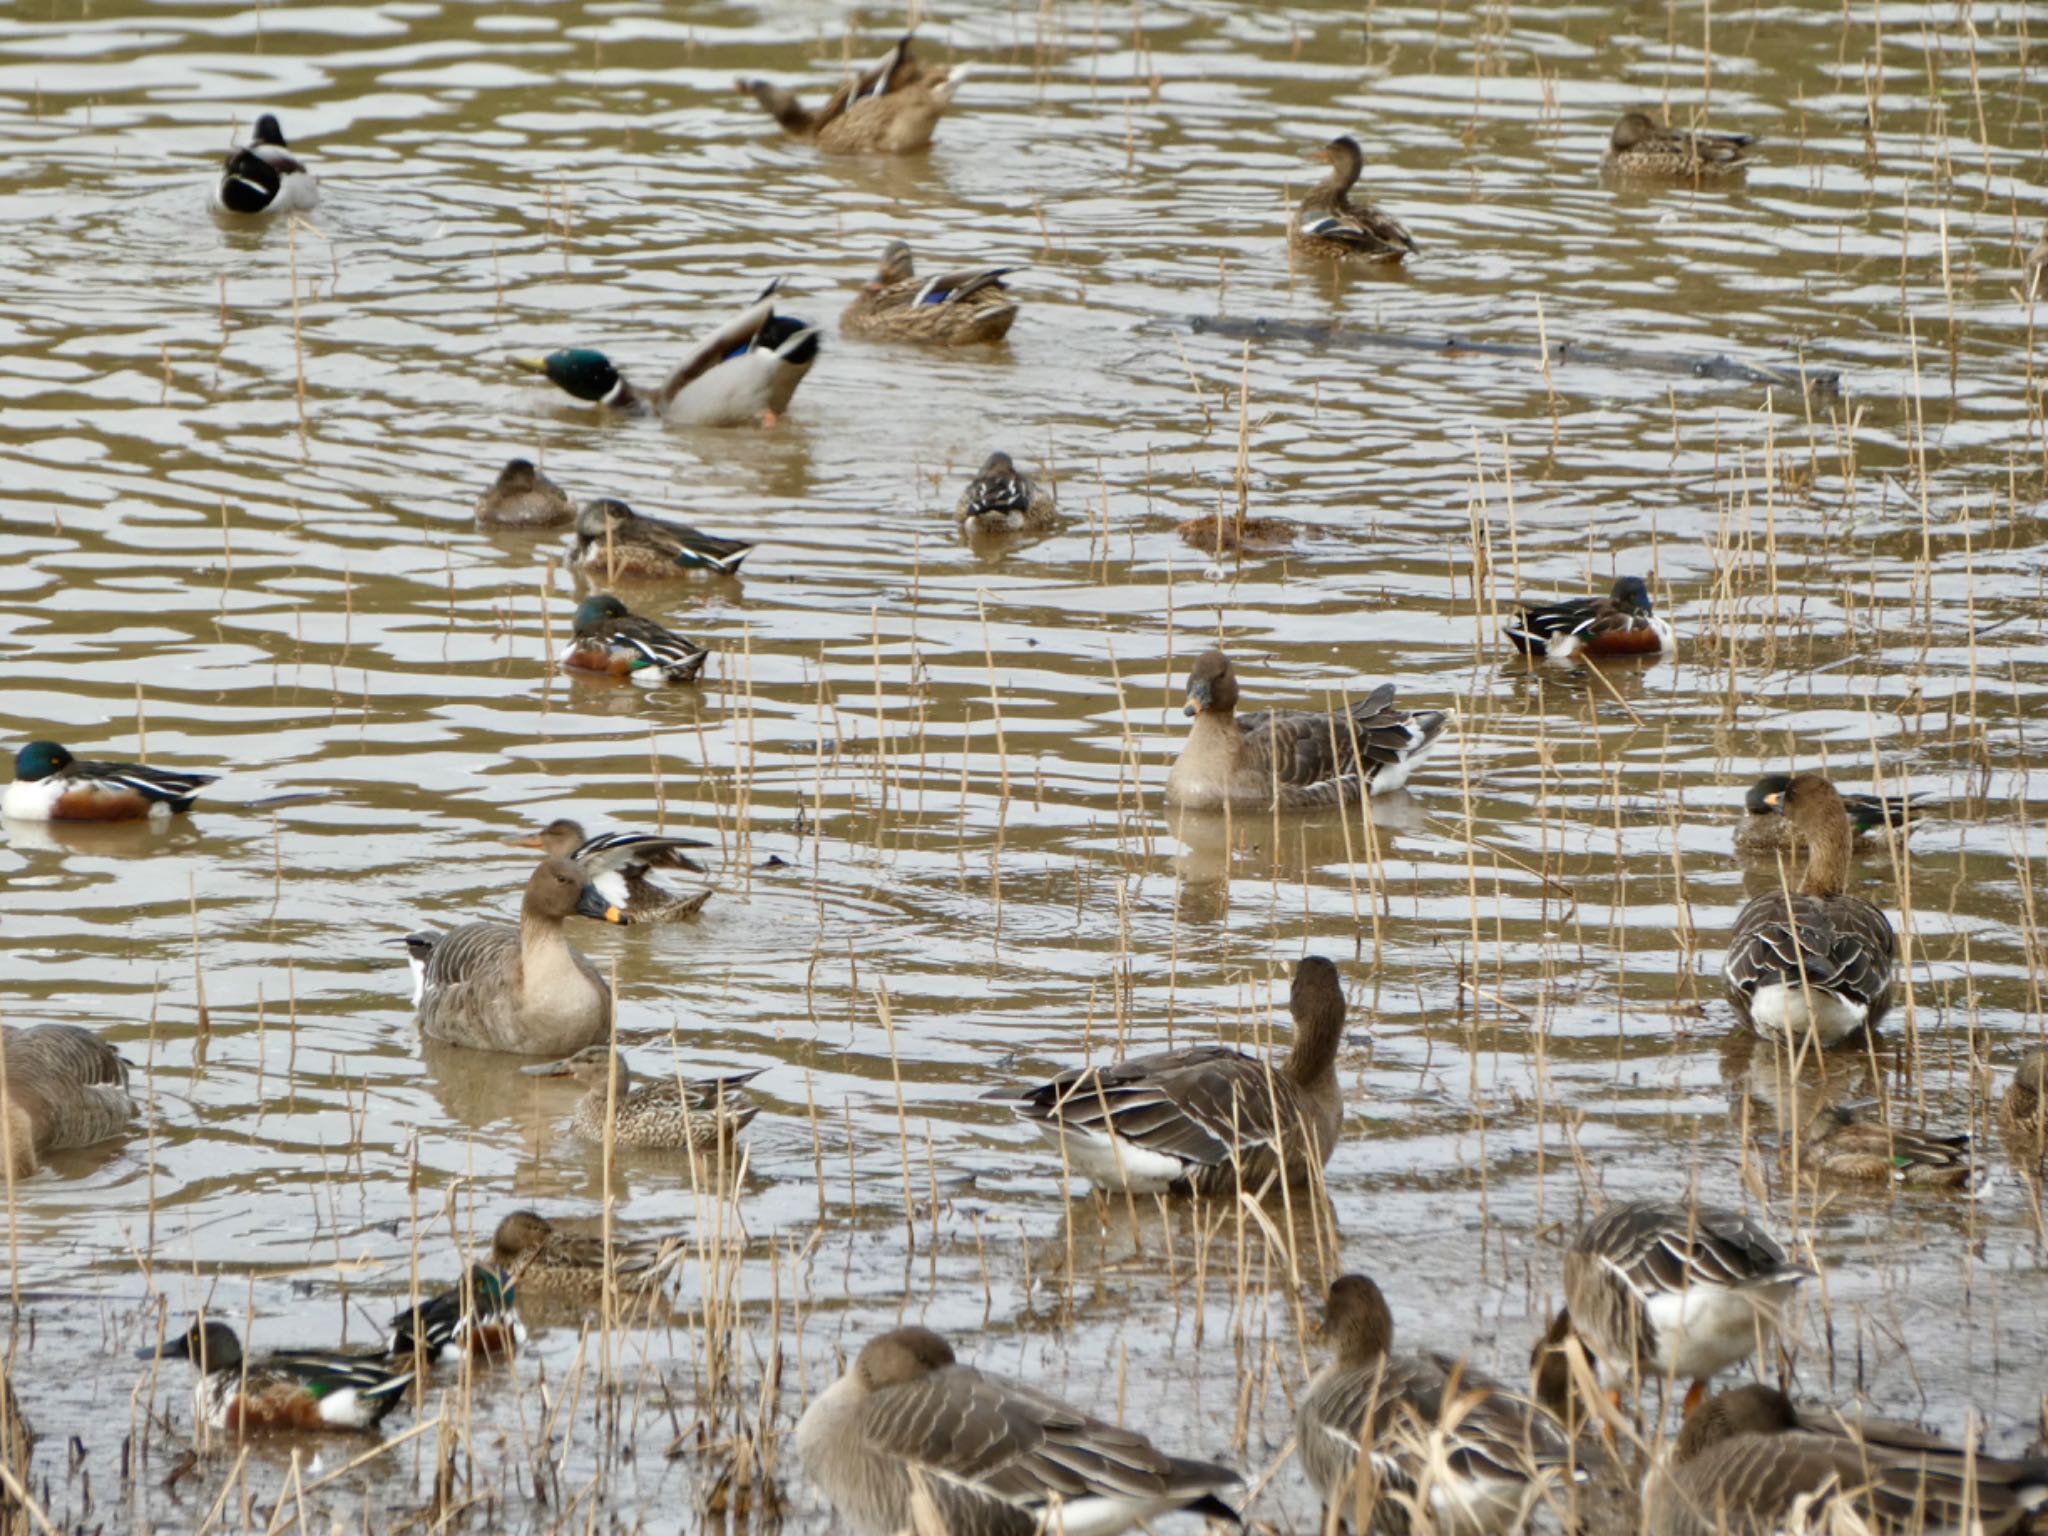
<point>958,753</point>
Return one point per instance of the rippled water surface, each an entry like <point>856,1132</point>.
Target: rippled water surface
<point>236,471</point>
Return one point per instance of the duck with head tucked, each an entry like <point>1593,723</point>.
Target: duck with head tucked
<point>1328,226</point>
<point>700,1114</point>
<point>613,541</point>
<point>611,640</point>
<point>954,309</point>
<point>523,497</point>
<point>1640,147</point>
<point>52,785</point>
<point>889,108</point>
<point>264,176</point>
<point>65,1088</point>
<point>478,1315</point>
<point>616,864</point>
<point>2023,1111</point>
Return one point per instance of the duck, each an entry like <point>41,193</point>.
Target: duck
<point>1816,963</point>
<point>291,1389</point>
<point>1659,1289</point>
<point>478,1316</point>
<point>890,108</point>
<point>700,1116</point>
<point>66,1087</point>
<point>744,372</point>
<point>2023,1110</point>
<point>538,1255</point>
<point>908,1438</point>
<point>954,309</point>
<point>612,540</point>
<point>1003,499</point>
<point>1748,1463</point>
<point>615,865</point>
<point>52,785</point>
<point>264,176</point>
<point>1762,832</point>
<point>1844,1143</point>
<point>523,497</point>
<point>520,988</point>
<point>611,640</point>
<point>1207,1120</point>
<point>1289,759</point>
<point>1427,1426</point>
<point>1639,147</point>
<point>1623,623</point>
<point>1328,226</point>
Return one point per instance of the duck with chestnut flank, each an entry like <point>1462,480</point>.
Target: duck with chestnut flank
<point>1763,831</point>
<point>1003,499</point>
<point>1639,147</point>
<point>1328,226</point>
<point>1623,623</point>
<point>523,497</point>
<point>612,540</point>
<point>290,1389</point>
<point>954,309</point>
<point>264,176</point>
<point>611,640</point>
<point>889,108</point>
<point>478,1315</point>
<point>700,1114</point>
<point>616,865</point>
<point>52,785</point>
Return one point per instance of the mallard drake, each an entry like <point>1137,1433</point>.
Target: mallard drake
<point>1288,758</point>
<point>1820,961</point>
<point>263,176</point>
<point>52,785</point>
<point>611,640</point>
<point>523,497</point>
<point>615,865</point>
<point>1660,1289</point>
<point>954,309</point>
<point>1638,147</point>
<point>478,1315</point>
<point>547,1261</point>
<point>612,540</point>
<point>909,1439</point>
<point>291,1389</point>
<point>1763,831</point>
<point>1207,1120</point>
<point>665,1113</point>
<point>520,988</point>
<point>1623,623</point>
<point>744,372</point>
<point>1843,1142</point>
<point>1328,226</point>
<point>66,1087</point>
<point>1497,1452</point>
<point>2023,1111</point>
<point>1003,499</point>
<point>1747,1463</point>
<point>891,107</point>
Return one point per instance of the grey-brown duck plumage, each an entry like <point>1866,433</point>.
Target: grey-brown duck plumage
<point>66,1087</point>
<point>2023,1110</point>
<point>1639,146</point>
<point>698,1113</point>
<point>1003,499</point>
<point>1328,226</point>
<point>543,1260</point>
<point>1849,1143</point>
<point>523,497</point>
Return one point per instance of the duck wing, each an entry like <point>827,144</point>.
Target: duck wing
<point>1333,754</point>
<point>736,334</point>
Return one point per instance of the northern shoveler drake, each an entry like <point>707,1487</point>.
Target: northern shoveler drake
<point>264,176</point>
<point>1842,1142</point>
<point>66,1087</point>
<point>1373,1409</point>
<point>1207,1120</point>
<point>523,497</point>
<point>291,1389</point>
<point>2023,1111</point>
<point>520,988</point>
<point>1818,962</point>
<point>744,372</point>
<point>909,1439</point>
<point>1639,147</point>
<point>615,865</point>
<point>1623,623</point>
<point>613,541</point>
<point>698,1114</point>
<point>1292,759</point>
<point>478,1315</point>
<point>954,309</point>
<point>1328,226</point>
<point>550,1262</point>
<point>611,640</point>
<point>890,108</point>
<point>1003,499</point>
<point>1763,831</point>
<point>52,785</point>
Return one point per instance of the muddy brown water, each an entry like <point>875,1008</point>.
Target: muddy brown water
<point>958,754</point>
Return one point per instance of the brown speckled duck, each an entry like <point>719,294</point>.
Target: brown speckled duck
<point>665,1113</point>
<point>1003,499</point>
<point>953,309</point>
<point>1639,147</point>
<point>889,109</point>
<point>1328,226</point>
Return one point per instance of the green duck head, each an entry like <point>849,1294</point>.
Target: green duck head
<point>596,609</point>
<point>40,759</point>
<point>584,372</point>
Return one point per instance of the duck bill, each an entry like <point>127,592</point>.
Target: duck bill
<point>528,364</point>
<point>591,904</point>
<point>179,1348</point>
<point>549,1069</point>
<point>524,842</point>
<point>1199,696</point>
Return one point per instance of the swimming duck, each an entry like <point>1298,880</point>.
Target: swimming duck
<point>1497,1452</point>
<point>909,1439</point>
<point>612,540</point>
<point>744,372</point>
<point>1328,226</point>
<point>1292,759</point>
<point>1003,499</point>
<point>1763,832</point>
<point>478,1315</point>
<point>609,639</point>
<point>2023,1111</point>
<point>52,785</point>
<point>953,309</point>
<point>698,1115</point>
<point>1843,1142</point>
<point>615,865</point>
<point>890,108</point>
<point>1207,1120</point>
<point>1623,623</point>
<point>263,176</point>
<point>291,1389</point>
<point>520,987</point>
<point>1748,1463</point>
<point>547,1261</point>
<point>1638,147</point>
<point>1820,962</point>
<point>66,1087</point>
<point>523,497</point>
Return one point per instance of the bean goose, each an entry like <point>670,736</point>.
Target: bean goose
<point>66,1087</point>
<point>1328,226</point>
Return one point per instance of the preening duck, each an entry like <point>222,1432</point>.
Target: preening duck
<point>616,864</point>
<point>1003,499</point>
<point>889,108</point>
